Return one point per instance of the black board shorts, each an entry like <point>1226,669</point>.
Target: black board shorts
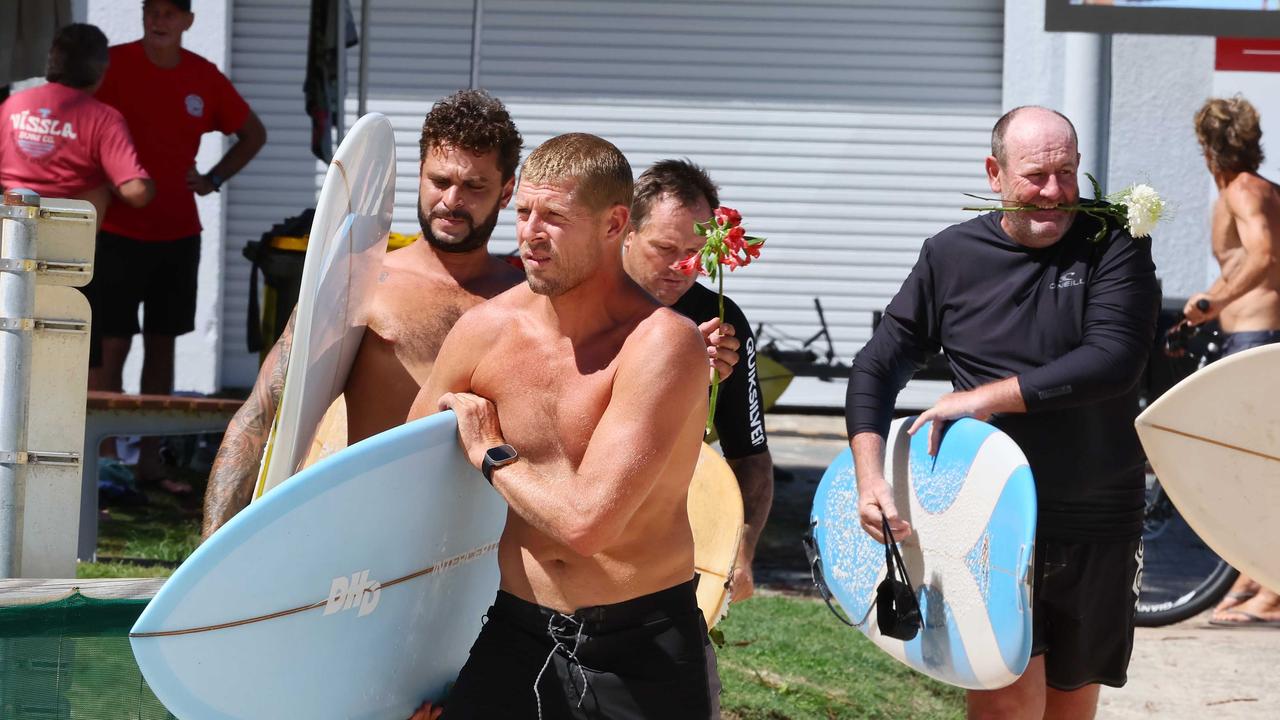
<point>1084,600</point>
<point>160,276</point>
<point>648,657</point>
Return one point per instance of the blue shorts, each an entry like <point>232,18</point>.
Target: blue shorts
<point>1241,341</point>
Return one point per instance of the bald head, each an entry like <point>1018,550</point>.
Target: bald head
<point>1030,123</point>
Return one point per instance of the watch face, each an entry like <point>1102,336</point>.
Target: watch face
<point>501,454</point>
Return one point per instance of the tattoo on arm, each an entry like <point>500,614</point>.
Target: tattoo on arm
<point>235,469</point>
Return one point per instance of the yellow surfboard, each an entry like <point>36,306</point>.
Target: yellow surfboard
<point>716,517</point>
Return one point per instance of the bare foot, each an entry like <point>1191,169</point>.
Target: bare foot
<point>176,487</point>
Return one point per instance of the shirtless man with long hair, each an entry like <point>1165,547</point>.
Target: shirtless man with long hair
<point>1245,298</point>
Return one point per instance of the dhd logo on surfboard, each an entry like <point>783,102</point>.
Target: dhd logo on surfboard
<point>347,592</point>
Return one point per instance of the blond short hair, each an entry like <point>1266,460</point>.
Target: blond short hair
<point>601,171</point>
<point>1230,133</point>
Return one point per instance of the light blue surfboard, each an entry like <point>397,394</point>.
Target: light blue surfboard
<point>972,509</point>
<point>354,589</point>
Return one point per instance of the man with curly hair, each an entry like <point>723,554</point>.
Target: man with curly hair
<point>1245,299</point>
<point>469,151</point>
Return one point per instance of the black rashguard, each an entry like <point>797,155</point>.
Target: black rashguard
<point>1074,321</point>
<point>739,407</point>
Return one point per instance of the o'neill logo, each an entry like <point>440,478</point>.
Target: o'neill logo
<point>1067,280</point>
<point>348,592</point>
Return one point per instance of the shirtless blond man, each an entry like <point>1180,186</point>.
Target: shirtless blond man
<point>469,151</point>
<point>599,392</point>
<point>1245,298</point>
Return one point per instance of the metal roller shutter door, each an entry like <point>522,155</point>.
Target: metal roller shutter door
<point>422,50</point>
<point>846,132</point>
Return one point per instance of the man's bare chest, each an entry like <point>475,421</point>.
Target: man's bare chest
<point>548,405</point>
<point>411,320</point>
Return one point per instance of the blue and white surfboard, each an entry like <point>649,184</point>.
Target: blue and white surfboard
<point>354,589</point>
<point>973,513</point>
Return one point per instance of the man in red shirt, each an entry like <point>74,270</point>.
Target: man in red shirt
<point>57,140</point>
<point>170,97</point>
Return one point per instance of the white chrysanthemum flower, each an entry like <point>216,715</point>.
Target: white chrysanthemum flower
<point>1145,208</point>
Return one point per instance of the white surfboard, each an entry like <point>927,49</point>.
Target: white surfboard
<point>345,249</point>
<point>1214,442</point>
<point>353,591</point>
<point>972,509</point>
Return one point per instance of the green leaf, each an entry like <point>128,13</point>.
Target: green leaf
<point>700,229</point>
<point>716,636</point>
<point>984,199</point>
<point>1097,189</point>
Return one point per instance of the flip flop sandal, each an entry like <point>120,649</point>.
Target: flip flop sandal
<point>1238,597</point>
<point>1253,621</point>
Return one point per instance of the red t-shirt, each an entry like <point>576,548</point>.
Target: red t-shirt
<point>61,142</point>
<point>167,109</point>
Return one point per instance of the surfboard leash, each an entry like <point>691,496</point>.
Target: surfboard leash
<point>815,571</point>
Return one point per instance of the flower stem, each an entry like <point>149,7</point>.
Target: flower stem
<point>715,374</point>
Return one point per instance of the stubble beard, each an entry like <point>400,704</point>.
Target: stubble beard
<point>1025,231</point>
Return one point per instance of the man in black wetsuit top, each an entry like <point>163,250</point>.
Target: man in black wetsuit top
<point>669,198</point>
<point>1046,332</point>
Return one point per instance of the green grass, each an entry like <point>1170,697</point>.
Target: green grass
<point>166,528</point>
<point>788,658</point>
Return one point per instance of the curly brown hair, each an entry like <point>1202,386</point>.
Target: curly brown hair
<point>1231,134</point>
<point>475,121</point>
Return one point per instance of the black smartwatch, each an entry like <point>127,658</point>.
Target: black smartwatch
<point>215,180</point>
<point>496,457</point>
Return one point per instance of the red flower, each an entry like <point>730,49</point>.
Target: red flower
<point>734,238</point>
<point>753,249</point>
<point>728,217</point>
<point>689,265</point>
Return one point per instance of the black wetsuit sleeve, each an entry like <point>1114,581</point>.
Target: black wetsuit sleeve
<point>906,337</point>
<point>1119,329</point>
<point>739,417</point>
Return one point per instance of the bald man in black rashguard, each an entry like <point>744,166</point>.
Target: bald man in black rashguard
<point>1047,333</point>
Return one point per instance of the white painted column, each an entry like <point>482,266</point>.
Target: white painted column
<point>1085,100</point>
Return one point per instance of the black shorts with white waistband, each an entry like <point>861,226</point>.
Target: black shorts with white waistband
<point>648,657</point>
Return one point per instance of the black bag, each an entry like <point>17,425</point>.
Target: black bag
<point>897,609</point>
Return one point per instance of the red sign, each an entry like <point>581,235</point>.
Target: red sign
<point>1248,55</point>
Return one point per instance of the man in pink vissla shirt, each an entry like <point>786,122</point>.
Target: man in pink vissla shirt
<point>59,141</point>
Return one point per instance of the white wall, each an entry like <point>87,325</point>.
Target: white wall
<point>1158,83</point>
<point>197,352</point>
